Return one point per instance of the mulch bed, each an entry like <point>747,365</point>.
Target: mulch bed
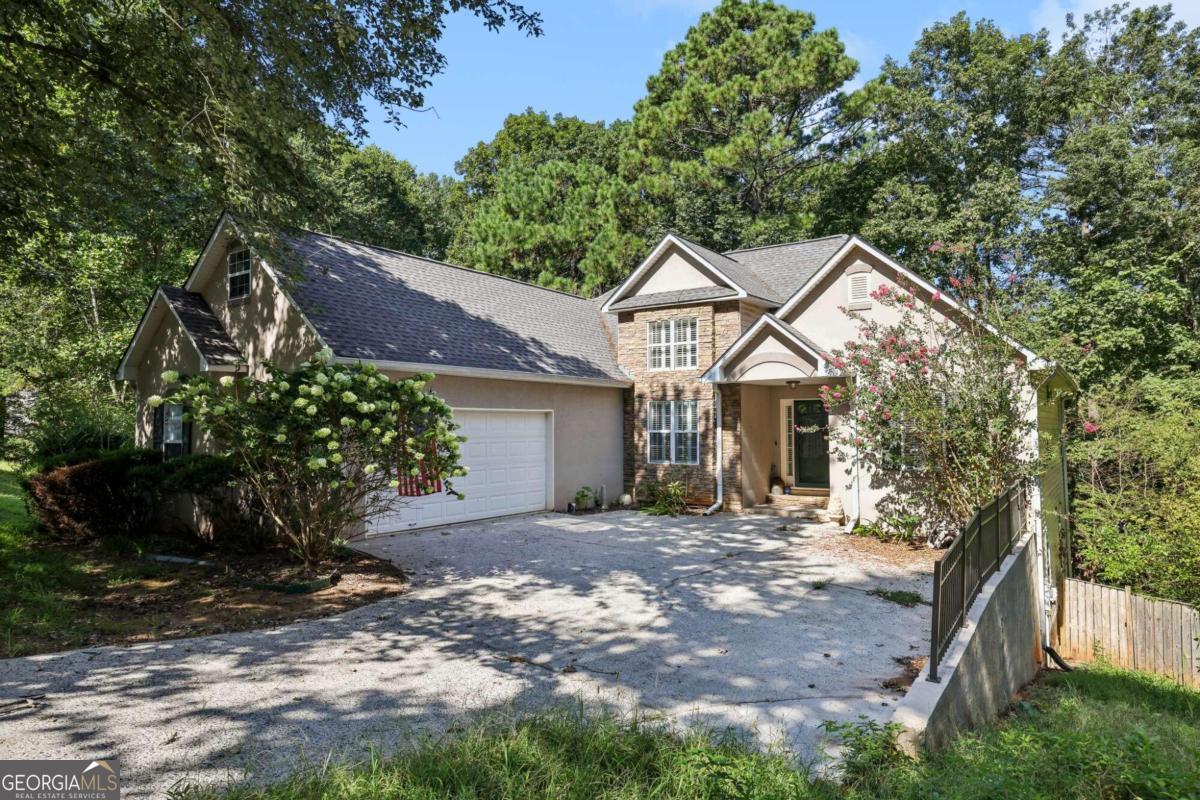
<point>130,599</point>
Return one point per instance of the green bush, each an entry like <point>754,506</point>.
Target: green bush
<point>667,497</point>
<point>86,495</point>
<point>1136,461</point>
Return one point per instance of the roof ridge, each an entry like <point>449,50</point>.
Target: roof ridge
<point>445,264</point>
<point>787,244</point>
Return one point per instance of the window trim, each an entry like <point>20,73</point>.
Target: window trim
<point>671,341</point>
<point>230,274</point>
<point>674,432</point>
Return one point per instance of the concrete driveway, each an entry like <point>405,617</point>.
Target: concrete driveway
<point>727,621</point>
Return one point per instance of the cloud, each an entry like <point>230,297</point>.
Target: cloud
<point>1052,14</point>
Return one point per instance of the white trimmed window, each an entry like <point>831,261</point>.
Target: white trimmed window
<point>859,287</point>
<point>672,343</point>
<point>238,263</point>
<point>674,427</point>
<point>172,424</point>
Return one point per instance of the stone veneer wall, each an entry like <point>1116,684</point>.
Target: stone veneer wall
<point>718,326</point>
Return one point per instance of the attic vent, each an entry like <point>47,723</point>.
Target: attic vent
<point>860,287</point>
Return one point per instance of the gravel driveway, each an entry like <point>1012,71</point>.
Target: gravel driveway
<point>725,620</point>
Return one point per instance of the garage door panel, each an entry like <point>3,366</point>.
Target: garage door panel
<point>506,454</point>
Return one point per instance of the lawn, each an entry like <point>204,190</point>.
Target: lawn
<point>1090,734</point>
<point>55,597</point>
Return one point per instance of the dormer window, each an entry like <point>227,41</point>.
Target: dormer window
<point>238,263</point>
<point>859,288</point>
<point>672,343</point>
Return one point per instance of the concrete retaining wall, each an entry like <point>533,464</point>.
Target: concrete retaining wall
<point>994,655</point>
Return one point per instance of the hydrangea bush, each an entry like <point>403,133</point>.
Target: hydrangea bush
<point>324,447</point>
<point>937,410</point>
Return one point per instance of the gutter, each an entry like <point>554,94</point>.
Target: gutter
<point>720,499</point>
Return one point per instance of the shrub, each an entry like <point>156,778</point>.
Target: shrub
<point>327,446</point>
<point>1137,466</point>
<point>936,409</point>
<point>667,497</point>
<point>91,494</point>
<point>97,497</point>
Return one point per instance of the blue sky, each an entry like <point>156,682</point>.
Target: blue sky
<point>593,60</point>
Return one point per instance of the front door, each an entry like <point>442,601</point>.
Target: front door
<point>811,432</point>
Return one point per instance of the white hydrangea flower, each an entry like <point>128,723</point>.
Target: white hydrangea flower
<point>316,391</point>
<point>349,397</point>
<point>325,356</point>
<point>322,378</point>
<point>154,401</point>
<point>227,381</point>
<point>371,468</point>
<point>284,386</point>
<point>347,422</point>
<point>394,483</point>
<point>299,402</point>
<point>302,390</point>
<point>170,376</point>
<point>321,462</point>
<point>281,437</point>
<point>311,411</point>
<point>336,458</point>
<point>274,395</point>
<point>323,432</point>
<point>334,444</point>
<point>334,484</point>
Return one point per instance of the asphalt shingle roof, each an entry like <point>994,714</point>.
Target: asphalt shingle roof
<point>739,273</point>
<point>203,326</point>
<point>673,297</point>
<point>377,304</point>
<point>787,267</point>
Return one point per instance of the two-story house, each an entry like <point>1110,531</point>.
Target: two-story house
<point>702,366</point>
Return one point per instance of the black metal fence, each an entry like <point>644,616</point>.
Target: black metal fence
<point>959,575</point>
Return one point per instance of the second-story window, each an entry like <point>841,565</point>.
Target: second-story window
<point>672,343</point>
<point>239,274</point>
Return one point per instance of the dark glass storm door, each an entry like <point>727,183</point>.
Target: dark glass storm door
<point>811,449</point>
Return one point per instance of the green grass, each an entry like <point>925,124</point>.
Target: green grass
<point>899,597</point>
<point>1093,735</point>
<point>39,587</point>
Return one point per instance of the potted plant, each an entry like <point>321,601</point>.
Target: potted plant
<point>585,499</point>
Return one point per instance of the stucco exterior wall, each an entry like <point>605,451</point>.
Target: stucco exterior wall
<point>265,326</point>
<point>673,271</point>
<point>587,425</point>
<point>169,348</point>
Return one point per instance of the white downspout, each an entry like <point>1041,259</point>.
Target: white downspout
<point>716,506</point>
<point>852,520</point>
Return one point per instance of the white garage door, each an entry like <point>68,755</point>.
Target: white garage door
<point>506,453</point>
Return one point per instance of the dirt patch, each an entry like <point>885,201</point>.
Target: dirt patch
<point>911,667</point>
<point>898,553</point>
<point>127,599</point>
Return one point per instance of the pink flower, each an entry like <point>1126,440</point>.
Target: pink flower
<point>1090,427</point>
<point>873,389</point>
<point>866,362</point>
<point>825,387</point>
<point>936,246</point>
<point>955,282</point>
<point>886,414</point>
<point>937,296</point>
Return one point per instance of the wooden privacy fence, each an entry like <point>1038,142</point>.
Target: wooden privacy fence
<point>976,554</point>
<point>1130,630</point>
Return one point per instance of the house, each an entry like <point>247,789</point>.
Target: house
<point>701,364</point>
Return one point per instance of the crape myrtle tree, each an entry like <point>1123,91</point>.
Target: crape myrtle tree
<point>326,446</point>
<point>937,409</point>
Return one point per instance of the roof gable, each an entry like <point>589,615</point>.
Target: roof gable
<point>196,320</point>
<point>770,349</point>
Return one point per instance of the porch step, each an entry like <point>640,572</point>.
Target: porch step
<point>777,510</point>
<point>800,501</point>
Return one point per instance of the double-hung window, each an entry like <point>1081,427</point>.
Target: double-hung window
<point>238,264</point>
<point>674,427</point>
<point>672,343</point>
<point>172,431</point>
